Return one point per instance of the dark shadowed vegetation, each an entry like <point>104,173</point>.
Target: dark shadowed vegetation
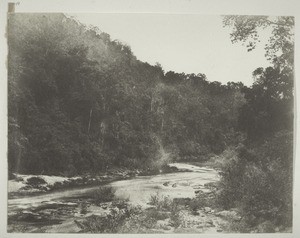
<point>80,103</point>
<point>258,175</point>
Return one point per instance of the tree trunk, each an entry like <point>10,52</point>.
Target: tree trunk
<point>89,126</point>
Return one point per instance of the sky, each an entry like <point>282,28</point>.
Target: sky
<point>189,43</point>
<point>223,62</point>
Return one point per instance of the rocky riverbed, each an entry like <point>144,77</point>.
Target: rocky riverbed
<point>165,199</point>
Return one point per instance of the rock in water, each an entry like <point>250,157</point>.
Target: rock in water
<point>229,214</point>
<point>207,209</point>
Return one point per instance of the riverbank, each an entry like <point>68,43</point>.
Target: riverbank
<point>30,185</point>
<point>163,203</point>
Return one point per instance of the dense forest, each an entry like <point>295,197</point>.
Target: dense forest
<point>80,102</point>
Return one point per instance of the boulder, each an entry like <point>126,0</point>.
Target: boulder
<point>207,209</point>
<point>166,183</point>
<point>229,215</point>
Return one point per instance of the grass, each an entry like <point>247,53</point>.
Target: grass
<point>124,218</point>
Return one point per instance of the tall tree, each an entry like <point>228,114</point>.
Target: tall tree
<point>280,47</point>
<point>269,106</point>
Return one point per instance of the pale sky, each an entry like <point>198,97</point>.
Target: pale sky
<point>189,43</point>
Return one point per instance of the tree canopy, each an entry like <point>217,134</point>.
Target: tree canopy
<point>81,102</point>
<point>259,177</point>
<point>280,46</point>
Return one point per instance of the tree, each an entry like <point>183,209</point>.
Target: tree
<point>280,47</point>
<point>270,99</point>
<point>79,102</point>
<point>258,178</point>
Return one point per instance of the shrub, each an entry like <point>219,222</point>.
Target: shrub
<point>118,220</point>
<point>259,182</point>
<point>154,199</point>
<point>124,218</point>
<point>164,208</point>
<point>201,200</point>
<point>161,202</point>
<point>99,224</point>
<point>103,194</point>
<point>175,218</point>
<point>35,181</point>
<point>83,208</point>
<point>155,214</point>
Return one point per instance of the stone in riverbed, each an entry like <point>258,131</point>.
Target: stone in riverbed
<point>210,223</point>
<point>229,215</point>
<point>207,209</point>
<point>167,228</point>
<point>195,213</point>
<point>166,183</point>
<point>28,216</point>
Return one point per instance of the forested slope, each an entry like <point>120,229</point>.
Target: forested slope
<point>79,102</point>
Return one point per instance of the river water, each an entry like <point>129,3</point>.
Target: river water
<point>137,190</point>
<point>174,185</point>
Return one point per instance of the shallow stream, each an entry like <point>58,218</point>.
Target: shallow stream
<point>65,205</point>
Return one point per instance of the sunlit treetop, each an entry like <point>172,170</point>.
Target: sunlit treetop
<point>280,46</point>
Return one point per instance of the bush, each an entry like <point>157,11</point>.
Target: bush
<point>99,224</point>
<point>259,182</point>
<point>83,208</point>
<point>175,218</point>
<point>171,209</point>
<point>155,214</point>
<point>202,200</point>
<point>124,218</point>
<point>35,181</point>
<point>161,202</point>
<point>103,194</point>
<point>129,219</point>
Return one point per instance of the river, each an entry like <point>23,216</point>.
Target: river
<point>65,205</point>
<point>174,185</point>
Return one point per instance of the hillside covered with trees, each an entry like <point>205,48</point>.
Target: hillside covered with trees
<point>80,102</point>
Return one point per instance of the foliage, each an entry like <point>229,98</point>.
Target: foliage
<point>280,47</point>
<point>103,194</point>
<point>202,200</point>
<point>35,181</point>
<point>99,224</point>
<point>83,208</point>
<point>161,202</point>
<point>259,182</point>
<point>134,219</point>
<point>269,106</point>
<point>81,102</point>
<point>164,208</point>
<point>258,179</point>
